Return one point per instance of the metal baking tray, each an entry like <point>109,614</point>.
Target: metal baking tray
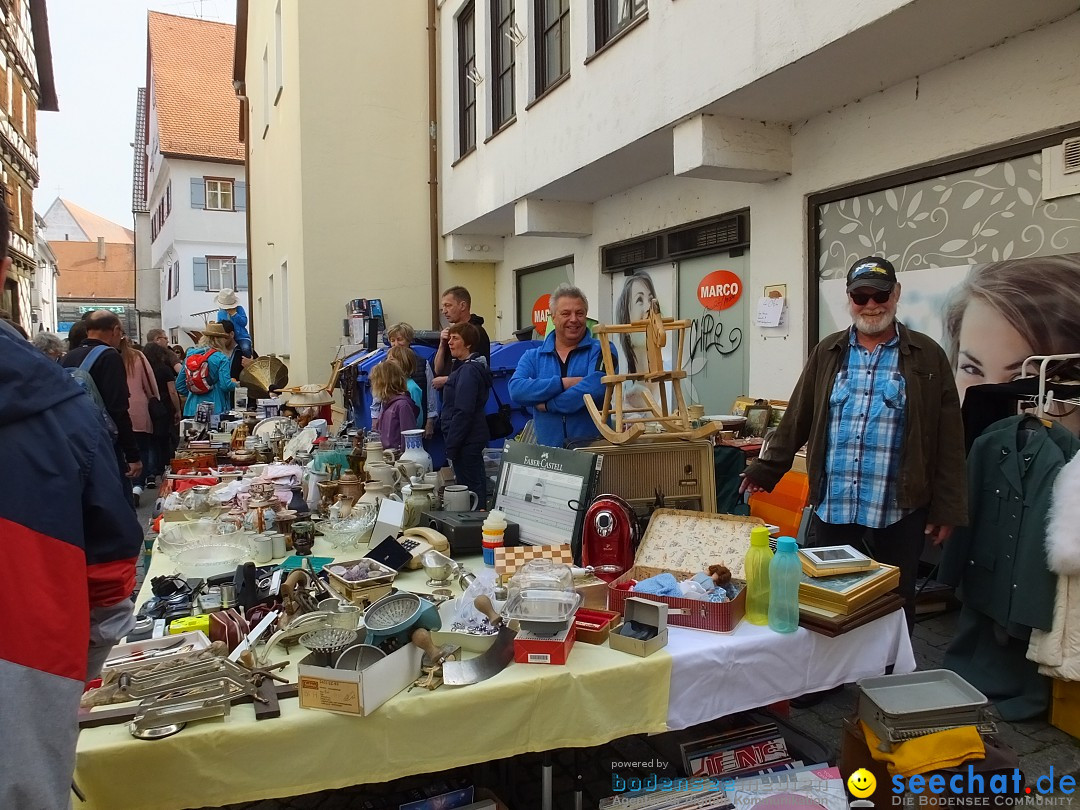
<point>544,612</point>
<point>922,695</point>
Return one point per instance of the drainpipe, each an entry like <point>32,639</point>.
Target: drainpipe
<point>433,160</point>
<point>247,216</point>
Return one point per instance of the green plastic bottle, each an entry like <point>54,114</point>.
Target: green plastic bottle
<point>756,567</point>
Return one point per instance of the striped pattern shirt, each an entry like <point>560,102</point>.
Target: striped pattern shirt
<point>866,427</point>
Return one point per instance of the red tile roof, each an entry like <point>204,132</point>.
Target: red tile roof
<point>94,226</point>
<point>191,63</point>
<point>83,275</point>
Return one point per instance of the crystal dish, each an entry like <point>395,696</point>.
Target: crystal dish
<point>210,558</point>
<point>346,533</point>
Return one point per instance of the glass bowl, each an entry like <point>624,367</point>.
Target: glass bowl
<point>175,537</point>
<point>213,557</point>
<point>347,533</point>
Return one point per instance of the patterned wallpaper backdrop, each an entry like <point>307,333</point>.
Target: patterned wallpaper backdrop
<point>991,213</point>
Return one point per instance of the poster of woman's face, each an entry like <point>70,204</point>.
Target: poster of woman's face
<point>988,317</point>
<point>632,301</point>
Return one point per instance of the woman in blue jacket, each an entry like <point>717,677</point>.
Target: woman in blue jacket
<point>463,424</point>
<point>216,341</point>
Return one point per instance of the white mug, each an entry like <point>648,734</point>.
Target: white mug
<point>384,473</point>
<point>459,498</point>
<point>264,548</point>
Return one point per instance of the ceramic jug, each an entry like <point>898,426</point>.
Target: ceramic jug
<point>375,492</point>
<point>375,454</point>
<point>415,452</point>
<point>385,474</point>
<point>349,485</point>
<point>418,502</point>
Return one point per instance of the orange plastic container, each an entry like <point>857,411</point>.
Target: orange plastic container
<point>783,506</point>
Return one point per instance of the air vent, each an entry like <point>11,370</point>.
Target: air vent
<point>1071,149</point>
<point>722,233</point>
<point>631,254</point>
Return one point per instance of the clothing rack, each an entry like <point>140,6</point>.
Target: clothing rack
<point>1046,396</point>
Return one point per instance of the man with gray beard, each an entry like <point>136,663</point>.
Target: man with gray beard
<point>877,407</point>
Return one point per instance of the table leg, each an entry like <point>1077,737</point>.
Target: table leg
<point>545,782</point>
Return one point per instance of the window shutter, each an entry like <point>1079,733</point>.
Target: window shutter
<point>241,274</point>
<point>198,193</point>
<point>239,196</point>
<point>200,272</point>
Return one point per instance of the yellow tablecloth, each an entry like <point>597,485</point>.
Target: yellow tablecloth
<point>598,696</point>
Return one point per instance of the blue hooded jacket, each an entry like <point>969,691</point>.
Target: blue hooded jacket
<point>538,378</point>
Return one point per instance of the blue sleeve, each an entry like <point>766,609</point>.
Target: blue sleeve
<point>222,315</point>
<point>572,399</point>
<point>222,367</point>
<point>240,318</point>
<point>526,388</point>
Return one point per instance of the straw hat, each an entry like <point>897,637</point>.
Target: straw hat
<point>214,329</point>
<point>309,395</point>
<point>226,299</point>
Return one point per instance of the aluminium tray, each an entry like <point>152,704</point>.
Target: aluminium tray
<point>919,696</point>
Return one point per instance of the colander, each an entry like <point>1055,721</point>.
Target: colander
<point>328,642</point>
<point>395,615</point>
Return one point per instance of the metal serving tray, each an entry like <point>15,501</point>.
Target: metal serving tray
<point>544,612</point>
<point>921,696</point>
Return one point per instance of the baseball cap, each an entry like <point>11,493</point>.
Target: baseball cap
<point>873,272</point>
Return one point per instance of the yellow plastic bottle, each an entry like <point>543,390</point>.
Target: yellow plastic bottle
<point>756,567</point>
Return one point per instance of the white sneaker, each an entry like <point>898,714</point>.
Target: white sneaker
<point>136,490</point>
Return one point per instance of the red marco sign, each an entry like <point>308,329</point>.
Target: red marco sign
<point>719,290</point>
<point>541,312</point>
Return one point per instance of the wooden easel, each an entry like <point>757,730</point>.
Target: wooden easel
<point>674,424</point>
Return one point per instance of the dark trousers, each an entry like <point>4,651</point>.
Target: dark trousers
<point>125,482</point>
<point>469,470</point>
<point>145,442</point>
<point>900,544</point>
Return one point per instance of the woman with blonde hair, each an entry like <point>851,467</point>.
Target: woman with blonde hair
<point>142,387</point>
<point>390,385</point>
<point>406,358</point>
<point>204,374</point>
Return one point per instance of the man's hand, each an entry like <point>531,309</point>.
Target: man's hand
<point>746,485</point>
<point>429,428</point>
<point>938,532</point>
<point>438,383</point>
<point>570,382</point>
<point>445,334</point>
<point>245,361</point>
<point>541,406</point>
<point>134,469</point>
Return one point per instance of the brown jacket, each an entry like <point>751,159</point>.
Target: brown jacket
<point>932,471</point>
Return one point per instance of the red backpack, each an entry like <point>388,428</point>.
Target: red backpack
<point>199,377</point>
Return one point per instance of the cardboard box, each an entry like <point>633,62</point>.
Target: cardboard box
<point>685,543</point>
<point>530,648</point>
<point>593,593</point>
<point>648,612</point>
<point>593,626</point>
<point>345,691</point>
<point>140,654</point>
<point>1065,707</point>
<point>799,464</point>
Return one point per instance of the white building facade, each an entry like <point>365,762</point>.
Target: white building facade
<point>43,289</point>
<point>591,140</point>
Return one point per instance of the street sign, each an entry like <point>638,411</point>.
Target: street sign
<point>117,310</point>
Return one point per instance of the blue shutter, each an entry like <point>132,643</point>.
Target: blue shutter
<point>200,273</point>
<point>198,192</point>
<point>241,274</point>
<point>239,196</point>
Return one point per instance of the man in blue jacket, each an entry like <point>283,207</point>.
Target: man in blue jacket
<point>67,528</point>
<point>552,380</point>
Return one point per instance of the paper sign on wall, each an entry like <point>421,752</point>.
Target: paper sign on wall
<point>770,311</point>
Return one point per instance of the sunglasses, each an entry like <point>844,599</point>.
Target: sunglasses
<point>880,297</point>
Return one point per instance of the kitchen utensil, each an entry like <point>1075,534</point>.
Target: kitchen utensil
<point>395,615</point>
<point>328,642</point>
<point>543,612</point>
<point>359,657</point>
<point>489,663</point>
<point>438,567</point>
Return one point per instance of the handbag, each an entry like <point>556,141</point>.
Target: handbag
<point>498,423</point>
<point>160,416</point>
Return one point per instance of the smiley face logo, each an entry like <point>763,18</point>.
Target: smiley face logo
<point>862,783</point>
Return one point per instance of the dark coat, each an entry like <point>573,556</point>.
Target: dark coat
<point>931,472</point>
<point>1000,560</point>
<point>110,377</point>
<point>463,399</point>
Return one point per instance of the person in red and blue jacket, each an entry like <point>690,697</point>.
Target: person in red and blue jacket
<point>68,530</point>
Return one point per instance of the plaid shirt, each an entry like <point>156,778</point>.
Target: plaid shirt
<point>866,426</point>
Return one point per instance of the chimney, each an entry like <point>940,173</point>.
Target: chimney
<point>101,248</point>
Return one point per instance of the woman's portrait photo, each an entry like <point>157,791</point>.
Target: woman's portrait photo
<point>633,300</point>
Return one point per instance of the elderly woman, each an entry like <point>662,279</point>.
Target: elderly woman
<point>50,345</point>
<point>215,351</point>
<point>463,423</point>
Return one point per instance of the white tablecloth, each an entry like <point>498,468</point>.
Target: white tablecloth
<point>714,674</point>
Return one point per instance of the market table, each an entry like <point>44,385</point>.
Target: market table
<point>599,695</point>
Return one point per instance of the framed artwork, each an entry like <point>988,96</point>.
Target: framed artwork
<point>757,419</point>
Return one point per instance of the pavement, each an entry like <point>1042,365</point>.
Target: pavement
<point>517,781</point>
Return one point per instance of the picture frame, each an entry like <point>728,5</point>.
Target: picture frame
<point>757,419</point>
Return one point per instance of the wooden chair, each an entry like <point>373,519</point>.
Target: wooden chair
<point>629,423</point>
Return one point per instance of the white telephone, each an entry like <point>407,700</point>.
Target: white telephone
<point>419,539</point>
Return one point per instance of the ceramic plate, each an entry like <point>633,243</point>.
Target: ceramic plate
<point>726,420</point>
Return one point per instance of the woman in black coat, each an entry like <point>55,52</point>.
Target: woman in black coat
<point>462,421</point>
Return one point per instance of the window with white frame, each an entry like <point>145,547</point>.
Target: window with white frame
<point>219,194</point>
<point>612,16</point>
<point>220,273</point>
